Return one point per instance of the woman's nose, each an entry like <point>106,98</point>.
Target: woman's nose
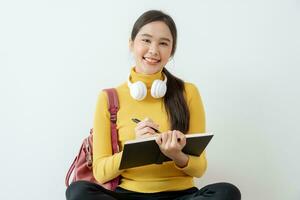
<point>153,50</point>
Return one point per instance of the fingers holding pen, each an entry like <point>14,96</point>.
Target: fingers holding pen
<point>147,122</point>
<point>145,128</point>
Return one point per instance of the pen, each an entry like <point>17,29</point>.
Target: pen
<point>137,121</point>
<point>157,131</point>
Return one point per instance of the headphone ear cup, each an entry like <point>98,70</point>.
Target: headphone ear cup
<point>158,89</point>
<point>138,90</point>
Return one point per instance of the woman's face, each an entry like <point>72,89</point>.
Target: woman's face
<point>152,47</point>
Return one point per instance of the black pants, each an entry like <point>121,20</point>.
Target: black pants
<point>83,190</point>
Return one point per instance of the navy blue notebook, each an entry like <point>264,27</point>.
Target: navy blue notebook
<point>145,151</point>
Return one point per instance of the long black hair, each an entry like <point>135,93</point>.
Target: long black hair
<point>175,103</point>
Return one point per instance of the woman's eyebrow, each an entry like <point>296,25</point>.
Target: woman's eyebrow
<point>148,35</point>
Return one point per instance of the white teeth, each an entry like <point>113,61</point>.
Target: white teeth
<point>151,60</point>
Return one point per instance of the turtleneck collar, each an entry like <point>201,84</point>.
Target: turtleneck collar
<point>146,78</point>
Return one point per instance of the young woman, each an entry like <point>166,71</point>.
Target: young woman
<point>166,103</point>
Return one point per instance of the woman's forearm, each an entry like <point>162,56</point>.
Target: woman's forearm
<point>181,160</point>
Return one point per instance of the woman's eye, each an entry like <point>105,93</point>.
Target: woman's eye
<point>146,40</point>
<point>164,43</point>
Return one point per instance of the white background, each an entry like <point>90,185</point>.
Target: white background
<point>55,56</point>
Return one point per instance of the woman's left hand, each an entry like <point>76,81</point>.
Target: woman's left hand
<point>171,143</point>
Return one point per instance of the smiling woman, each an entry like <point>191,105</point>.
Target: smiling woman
<point>165,102</point>
<point>152,47</point>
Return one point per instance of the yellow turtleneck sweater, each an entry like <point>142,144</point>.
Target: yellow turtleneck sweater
<point>149,178</point>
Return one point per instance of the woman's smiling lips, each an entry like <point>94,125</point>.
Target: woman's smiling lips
<point>151,60</point>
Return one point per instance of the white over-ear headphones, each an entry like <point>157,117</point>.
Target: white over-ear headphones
<point>138,90</point>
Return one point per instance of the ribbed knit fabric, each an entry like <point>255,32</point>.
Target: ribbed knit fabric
<point>150,178</point>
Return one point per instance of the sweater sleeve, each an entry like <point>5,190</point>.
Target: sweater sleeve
<point>197,164</point>
<point>105,165</point>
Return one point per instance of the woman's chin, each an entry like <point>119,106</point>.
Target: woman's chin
<point>147,69</point>
<point>153,68</point>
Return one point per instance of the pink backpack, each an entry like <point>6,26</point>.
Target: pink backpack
<point>83,162</point>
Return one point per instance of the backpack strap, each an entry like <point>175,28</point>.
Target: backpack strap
<point>70,172</point>
<point>113,107</point>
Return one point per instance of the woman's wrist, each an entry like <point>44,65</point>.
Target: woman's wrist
<point>181,160</point>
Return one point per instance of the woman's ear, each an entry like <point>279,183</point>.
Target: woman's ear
<point>130,45</point>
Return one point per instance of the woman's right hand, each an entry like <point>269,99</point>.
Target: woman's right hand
<point>144,128</point>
